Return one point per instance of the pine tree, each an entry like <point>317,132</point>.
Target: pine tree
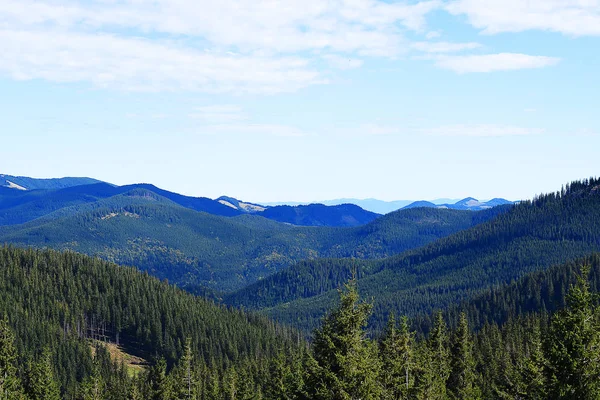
<point>397,354</point>
<point>532,369</point>
<point>183,377</point>
<point>10,384</point>
<point>435,363</point>
<point>157,380</point>
<point>92,388</point>
<point>41,382</point>
<point>462,380</point>
<point>574,345</point>
<point>345,364</point>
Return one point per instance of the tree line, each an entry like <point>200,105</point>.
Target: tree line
<point>538,355</point>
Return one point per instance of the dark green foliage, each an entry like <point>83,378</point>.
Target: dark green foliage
<point>224,354</point>
<point>153,233</point>
<point>59,301</point>
<point>532,236</point>
<point>462,380</point>
<point>10,383</point>
<point>344,364</point>
<point>574,345</point>
<point>397,350</point>
<point>435,366</point>
<point>41,379</point>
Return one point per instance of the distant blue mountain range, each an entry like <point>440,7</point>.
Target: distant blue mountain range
<point>24,199</point>
<point>469,203</point>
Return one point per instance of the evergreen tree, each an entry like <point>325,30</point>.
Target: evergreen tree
<point>397,354</point>
<point>574,345</point>
<point>41,381</point>
<point>10,384</point>
<point>462,380</point>
<point>183,377</point>
<point>345,365</point>
<point>92,388</point>
<point>532,369</point>
<point>157,380</point>
<point>435,365</point>
<point>285,377</point>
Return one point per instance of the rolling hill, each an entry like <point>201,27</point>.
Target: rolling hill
<point>156,233</point>
<point>531,236</point>
<point>67,303</point>
<point>19,206</point>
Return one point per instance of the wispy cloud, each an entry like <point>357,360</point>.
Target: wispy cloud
<point>483,130</point>
<point>257,46</point>
<point>342,63</point>
<point>494,62</point>
<point>444,47</point>
<point>570,17</point>
<point>218,113</point>
<point>228,119</point>
<point>143,65</point>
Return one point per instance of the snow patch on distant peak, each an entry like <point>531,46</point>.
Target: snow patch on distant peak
<point>228,204</point>
<point>13,185</point>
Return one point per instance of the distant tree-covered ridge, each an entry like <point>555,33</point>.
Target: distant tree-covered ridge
<point>531,236</point>
<point>141,227</point>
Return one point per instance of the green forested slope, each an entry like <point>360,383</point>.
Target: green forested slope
<point>57,301</point>
<point>52,305</point>
<point>169,241</point>
<point>532,236</point>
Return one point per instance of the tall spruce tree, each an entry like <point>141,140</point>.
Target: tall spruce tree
<point>345,364</point>
<point>183,377</point>
<point>41,380</point>
<point>10,384</point>
<point>93,386</point>
<point>574,345</point>
<point>157,380</point>
<point>435,363</point>
<point>462,380</point>
<point>532,368</point>
<point>397,355</point>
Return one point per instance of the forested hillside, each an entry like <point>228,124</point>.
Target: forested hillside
<point>64,313</point>
<point>59,302</point>
<point>531,236</point>
<point>155,234</point>
<point>320,215</point>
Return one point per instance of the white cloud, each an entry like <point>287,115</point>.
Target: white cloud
<point>433,35</point>
<point>338,62</point>
<point>142,65</point>
<point>364,26</point>
<point>494,62</point>
<point>258,46</point>
<point>218,113</point>
<point>444,47</point>
<point>570,17</point>
<point>484,130</point>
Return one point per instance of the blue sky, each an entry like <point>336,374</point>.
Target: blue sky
<point>304,99</point>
